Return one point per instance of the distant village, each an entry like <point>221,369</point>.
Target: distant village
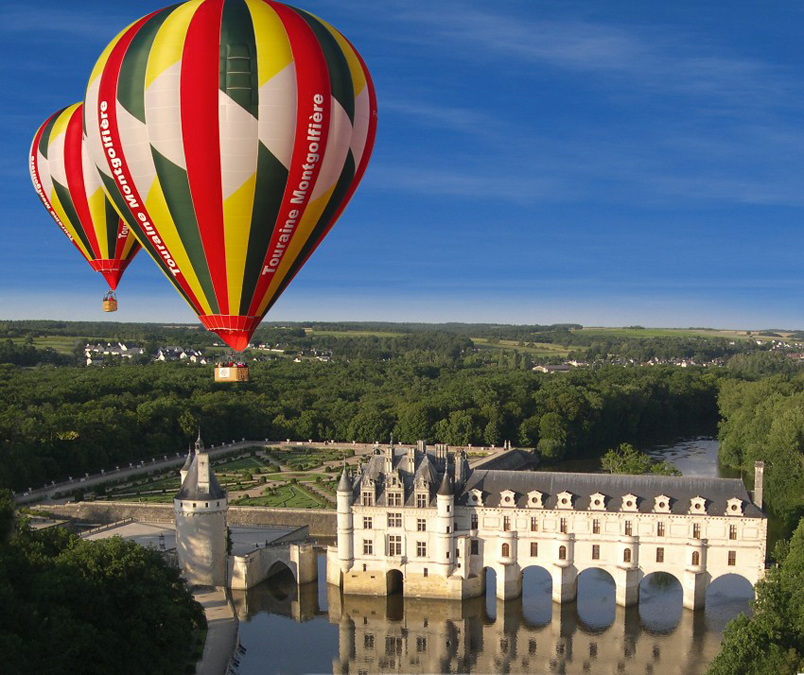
<point>102,353</point>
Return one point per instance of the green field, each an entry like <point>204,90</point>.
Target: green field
<point>64,344</point>
<point>352,333</point>
<point>538,348</point>
<point>672,332</point>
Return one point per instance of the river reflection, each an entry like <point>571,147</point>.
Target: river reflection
<point>314,628</point>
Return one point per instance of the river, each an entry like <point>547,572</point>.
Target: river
<point>315,629</point>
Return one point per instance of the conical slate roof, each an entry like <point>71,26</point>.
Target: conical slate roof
<point>191,491</point>
<point>446,488</point>
<point>345,484</point>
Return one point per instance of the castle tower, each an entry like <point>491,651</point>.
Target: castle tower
<point>185,467</point>
<point>200,507</point>
<point>445,520</point>
<point>345,522</point>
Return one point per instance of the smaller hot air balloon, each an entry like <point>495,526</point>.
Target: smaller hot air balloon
<point>69,186</point>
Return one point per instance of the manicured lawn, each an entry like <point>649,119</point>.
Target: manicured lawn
<point>287,496</point>
<point>240,464</point>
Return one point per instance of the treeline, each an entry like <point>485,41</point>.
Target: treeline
<point>27,355</point>
<point>61,422</point>
<point>763,419</point>
<point>94,607</point>
<point>699,349</point>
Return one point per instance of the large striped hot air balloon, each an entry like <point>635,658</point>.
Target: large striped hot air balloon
<point>67,181</point>
<point>235,132</point>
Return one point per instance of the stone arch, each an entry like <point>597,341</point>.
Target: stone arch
<point>394,582</point>
<point>726,595</point>
<point>661,601</point>
<point>281,580</point>
<point>280,567</point>
<point>537,592</point>
<point>596,592</point>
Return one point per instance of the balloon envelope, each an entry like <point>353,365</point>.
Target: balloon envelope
<point>235,132</point>
<point>69,186</point>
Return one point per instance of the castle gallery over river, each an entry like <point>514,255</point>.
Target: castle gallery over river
<point>421,521</point>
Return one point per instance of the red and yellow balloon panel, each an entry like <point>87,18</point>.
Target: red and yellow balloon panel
<point>234,133</point>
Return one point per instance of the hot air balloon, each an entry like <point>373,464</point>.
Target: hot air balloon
<point>234,132</point>
<point>70,188</point>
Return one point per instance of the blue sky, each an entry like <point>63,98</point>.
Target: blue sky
<point>536,162</point>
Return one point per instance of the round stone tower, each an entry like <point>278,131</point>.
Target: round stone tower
<point>445,515</point>
<point>345,522</point>
<point>200,507</point>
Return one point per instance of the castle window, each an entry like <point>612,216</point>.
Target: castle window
<point>368,547</point>
<point>393,645</point>
<point>367,499</point>
<point>474,547</point>
<point>421,501</point>
<point>394,499</point>
<point>562,552</point>
<point>421,643</point>
<point>395,545</point>
<point>595,526</point>
<point>595,552</point>
<point>628,528</point>
<point>660,554</point>
<point>474,522</point>
<point>732,558</point>
<point>563,525</point>
<point>732,532</point>
<point>394,520</point>
<point>506,524</point>
<point>206,505</point>
<point>367,522</point>
<point>421,525</point>
<point>627,555</point>
<point>368,641</point>
<point>696,558</point>
<point>534,525</point>
<point>534,549</point>
<point>421,549</point>
<point>660,529</point>
<point>426,572</point>
<point>506,550</point>
<point>696,531</point>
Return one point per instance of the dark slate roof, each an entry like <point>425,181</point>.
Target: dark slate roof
<point>187,462</point>
<point>680,489</point>
<point>446,488</point>
<point>190,490</point>
<point>374,469</point>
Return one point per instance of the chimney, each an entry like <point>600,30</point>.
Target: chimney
<point>759,476</point>
<point>389,459</point>
<point>411,460</point>
<point>203,471</point>
<point>421,446</point>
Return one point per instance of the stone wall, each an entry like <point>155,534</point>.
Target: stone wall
<point>322,522</point>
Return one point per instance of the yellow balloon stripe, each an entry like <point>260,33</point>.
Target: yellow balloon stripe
<point>158,209</point>
<point>312,214</point>
<point>356,70</point>
<point>55,202</point>
<point>97,211</point>
<point>130,241</point>
<point>168,44</point>
<point>60,125</point>
<point>274,52</point>
<point>100,64</point>
<point>237,213</point>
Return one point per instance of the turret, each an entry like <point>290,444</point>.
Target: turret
<point>345,522</point>
<point>445,518</point>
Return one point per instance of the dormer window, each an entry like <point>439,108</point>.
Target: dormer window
<point>394,499</point>
<point>564,500</point>
<point>367,499</point>
<point>630,502</point>
<point>734,507</point>
<point>661,504</point>
<point>698,505</point>
<point>476,497</point>
<point>421,500</point>
<point>508,498</point>
<point>535,499</point>
<point>597,502</point>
